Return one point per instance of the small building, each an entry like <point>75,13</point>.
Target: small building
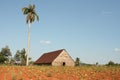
<point>17,63</point>
<point>56,58</point>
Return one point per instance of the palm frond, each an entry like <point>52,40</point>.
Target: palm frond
<point>31,13</point>
<point>32,7</point>
<point>25,10</point>
<point>37,17</point>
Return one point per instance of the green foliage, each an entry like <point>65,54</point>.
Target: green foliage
<point>23,57</point>
<point>5,55</point>
<point>77,62</point>
<point>111,63</point>
<point>17,56</point>
<point>96,63</point>
<point>2,59</point>
<point>20,56</point>
<point>6,51</point>
<point>31,13</point>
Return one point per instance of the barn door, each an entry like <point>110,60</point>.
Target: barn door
<point>63,63</point>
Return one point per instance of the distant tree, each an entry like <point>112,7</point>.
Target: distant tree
<point>6,51</point>
<point>20,56</point>
<point>2,59</point>
<point>17,56</point>
<point>110,63</point>
<point>5,55</point>
<point>23,57</point>
<point>96,63</point>
<point>77,62</point>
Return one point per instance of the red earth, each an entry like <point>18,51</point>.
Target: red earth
<point>59,73</point>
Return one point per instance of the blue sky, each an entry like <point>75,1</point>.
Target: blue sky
<point>88,29</point>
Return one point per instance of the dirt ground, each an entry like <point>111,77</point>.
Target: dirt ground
<point>59,73</point>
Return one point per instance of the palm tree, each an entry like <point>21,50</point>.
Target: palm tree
<point>31,15</point>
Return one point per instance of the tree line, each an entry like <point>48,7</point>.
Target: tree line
<point>20,58</point>
<point>79,63</point>
<point>6,56</point>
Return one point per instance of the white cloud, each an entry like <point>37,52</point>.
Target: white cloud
<point>45,42</point>
<point>117,49</point>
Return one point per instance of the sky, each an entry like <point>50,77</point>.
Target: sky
<point>88,29</point>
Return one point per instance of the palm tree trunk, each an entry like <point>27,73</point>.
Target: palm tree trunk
<point>28,49</point>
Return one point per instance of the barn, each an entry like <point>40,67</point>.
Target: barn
<point>56,58</point>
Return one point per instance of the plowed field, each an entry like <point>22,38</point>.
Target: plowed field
<point>59,73</point>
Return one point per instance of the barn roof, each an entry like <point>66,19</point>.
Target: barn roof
<point>48,57</point>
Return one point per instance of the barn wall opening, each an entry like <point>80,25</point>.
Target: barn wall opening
<point>63,63</point>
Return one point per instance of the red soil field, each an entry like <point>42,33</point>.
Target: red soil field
<point>59,73</point>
